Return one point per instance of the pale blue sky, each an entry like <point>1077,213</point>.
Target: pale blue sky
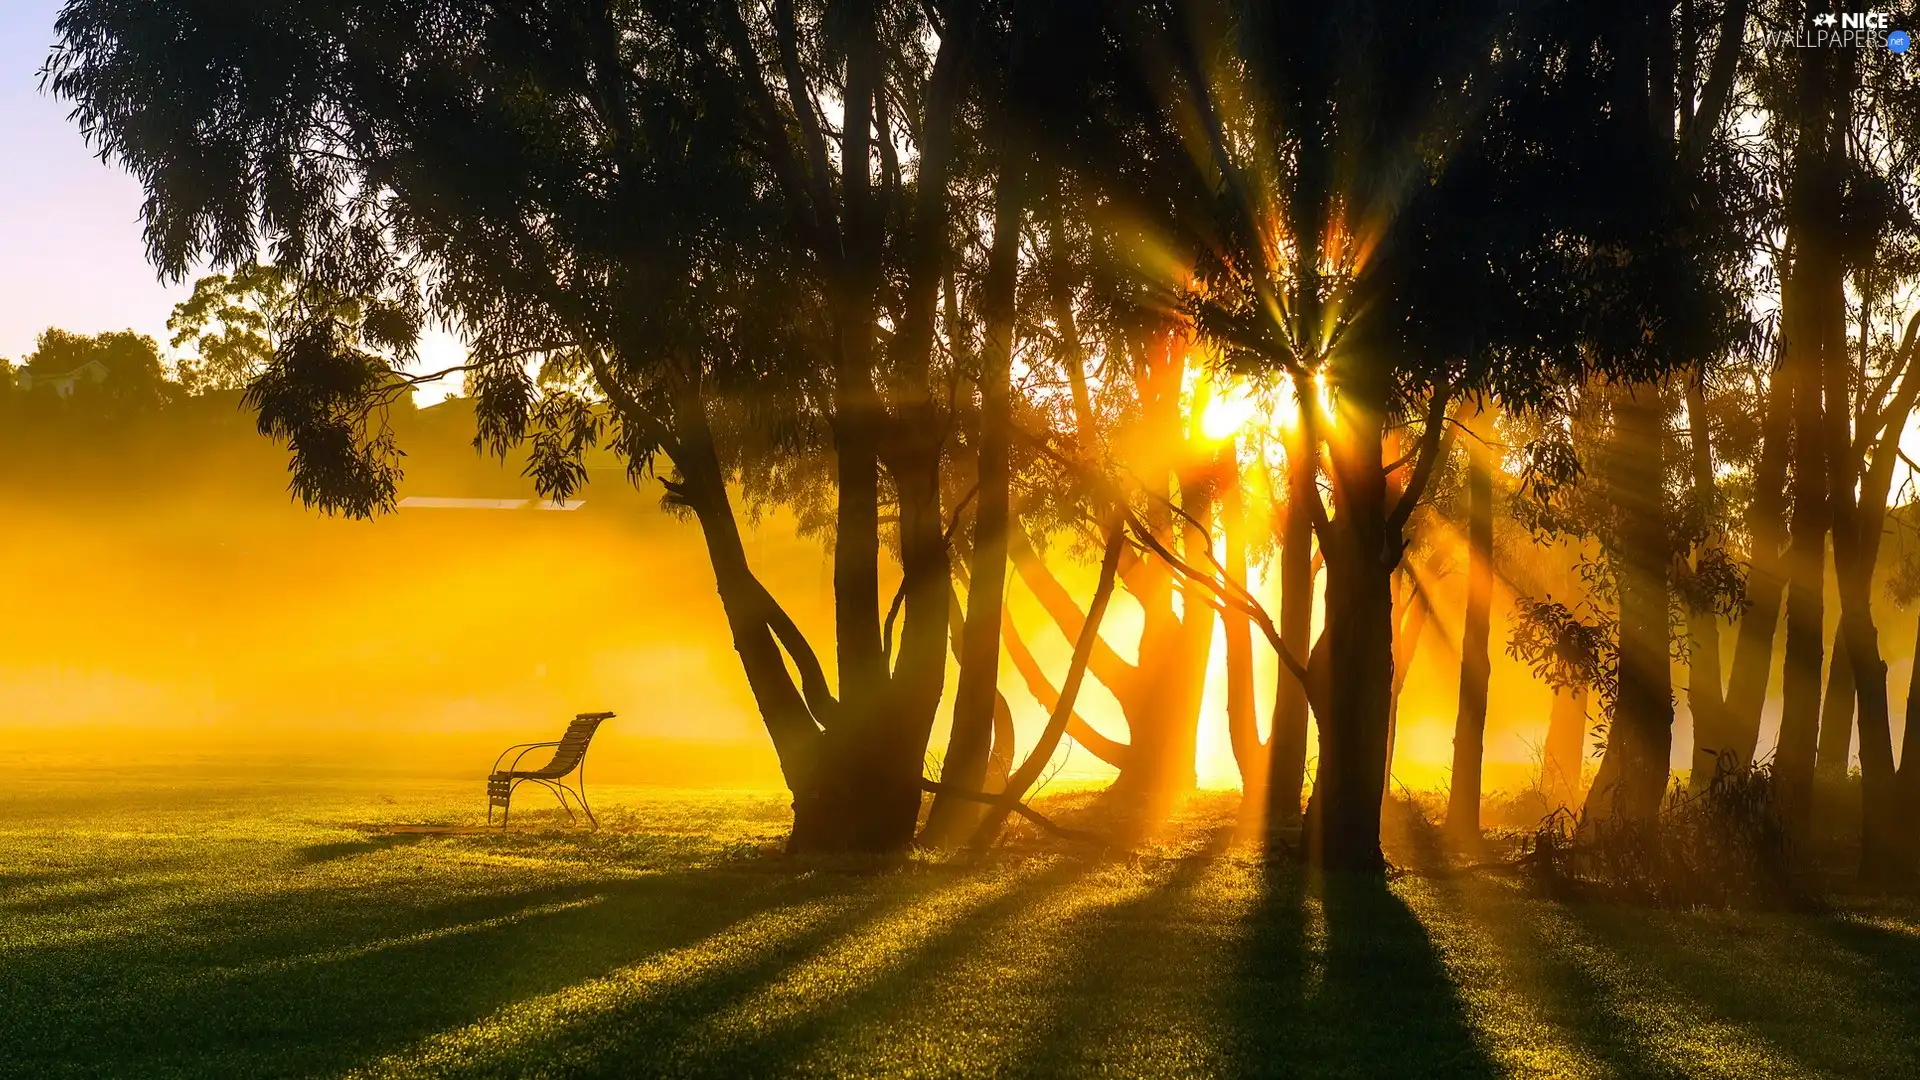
<point>70,248</point>
<point>71,253</point>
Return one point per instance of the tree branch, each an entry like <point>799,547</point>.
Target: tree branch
<point>1118,675</point>
<point>1430,443</point>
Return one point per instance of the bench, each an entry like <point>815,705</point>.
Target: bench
<point>569,758</point>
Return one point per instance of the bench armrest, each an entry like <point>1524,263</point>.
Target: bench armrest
<point>523,748</point>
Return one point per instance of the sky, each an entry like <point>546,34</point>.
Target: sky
<point>71,253</point>
<point>70,249</point>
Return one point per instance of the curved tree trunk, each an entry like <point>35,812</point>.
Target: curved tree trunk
<point>1023,778</point>
<point>790,723</point>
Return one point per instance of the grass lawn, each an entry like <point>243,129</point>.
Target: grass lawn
<point>196,926</point>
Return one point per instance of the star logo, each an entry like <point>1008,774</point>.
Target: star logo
<point>1826,19</point>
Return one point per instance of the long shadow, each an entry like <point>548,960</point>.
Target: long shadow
<point>1170,949</point>
<point>846,1021</point>
<point>1577,998</point>
<point>346,849</point>
<point>1371,999</point>
<point>314,983</point>
<point>1759,971</point>
<point>1892,957</point>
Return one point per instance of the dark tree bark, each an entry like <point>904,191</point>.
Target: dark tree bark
<point>749,608</point>
<point>1837,709</point>
<point>1705,698</point>
<point>1343,826</point>
<point>1815,278</point>
<point>1633,776</point>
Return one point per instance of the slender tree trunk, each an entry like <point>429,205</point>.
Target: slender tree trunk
<point>1704,692</point>
<point>1853,565</point>
<point>968,748</point>
<point>1023,778</point>
<point>1565,757</point>
<point>1287,740</point>
<point>856,801</point>
<point>1243,731</point>
<point>1837,710</point>
<point>1476,664</point>
<point>1753,650</point>
<point>1806,556</point>
<point>1907,780</point>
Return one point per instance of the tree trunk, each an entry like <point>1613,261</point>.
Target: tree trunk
<point>1853,557</point>
<point>1476,665</point>
<point>1836,714</point>
<point>1343,828</point>
<point>1633,778</point>
<point>1704,693</point>
<point>1029,771</point>
<point>862,797</point>
<point>1565,758</point>
<point>1907,780</point>
<point>1806,555</point>
<point>1753,650</point>
<point>1243,731</point>
<point>1287,740</point>
<point>794,729</point>
<point>971,742</point>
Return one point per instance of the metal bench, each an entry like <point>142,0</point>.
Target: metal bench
<point>569,758</point>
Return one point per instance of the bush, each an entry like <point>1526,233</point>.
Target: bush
<point>1722,847</point>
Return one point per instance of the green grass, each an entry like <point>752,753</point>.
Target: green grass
<point>190,926</point>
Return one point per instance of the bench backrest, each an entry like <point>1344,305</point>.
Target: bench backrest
<point>573,745</point>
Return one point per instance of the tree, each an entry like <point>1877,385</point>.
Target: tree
<point>133,375</point>
<point>230,323</point>
<point>1470,727</point>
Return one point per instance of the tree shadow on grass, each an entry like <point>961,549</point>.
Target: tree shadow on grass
<point>346,849</point>
<point>835,1009</point>
<point>1360,991</point>
<point>302,983</point>
<point>1760,972</point>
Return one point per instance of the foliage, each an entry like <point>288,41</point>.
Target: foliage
<point>1721,846</point>
<point>230,322</point>
<point>134,375</point>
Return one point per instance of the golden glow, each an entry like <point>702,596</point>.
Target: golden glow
<point>1227,412</point>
